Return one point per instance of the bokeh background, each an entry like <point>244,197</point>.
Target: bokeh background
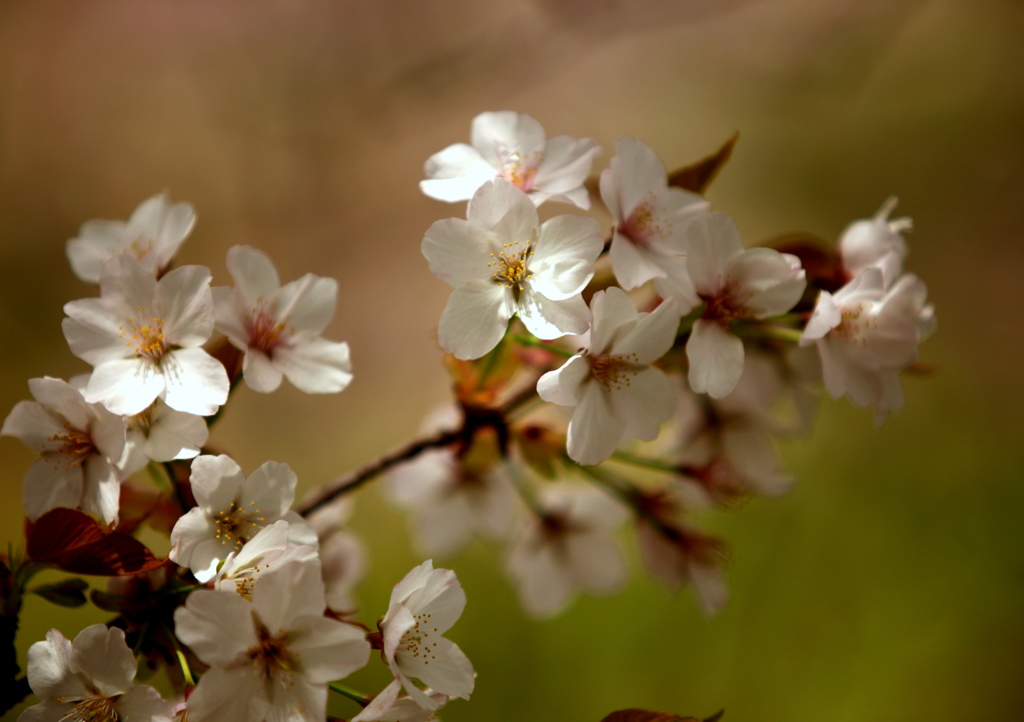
<point>889,586</point>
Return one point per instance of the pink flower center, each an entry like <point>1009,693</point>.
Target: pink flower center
<point>725,306</point>
<point>612,372</point>
<point>521,171</point>
<point>146,334</point>
<point>851,325</point>
<point>265,333</point>
<point>643,226</point>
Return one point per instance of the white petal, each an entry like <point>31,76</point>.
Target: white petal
<point>505,211</point>
<point>613,314</point>
<point>184,302</point>
<point>709,586</point>
<point>441,596</point>
<point>544,584</point>
<point>456,173</point>
<point>597,562</point>
<point>562,280</point>
<point>270,489</point>
<point>216,481</point>
<point>646,403</point>
<point>678,286</point>
<point>475,319</point>
<point>568,238</point>
<point>230,312</point>
<point>549,319</point>
<point>564,385</point>
<point>102,656</point>
<point>97,240</point>
<point>196,382</point>
<point>50,482</point>
<point>307,304</point>
<point>254,273</point>
<point>94,330</point>
<point>124,281</point>
<point>766,280</point>
<point>457,252</point>
<point>826,317</point>
<point>713,240</point>
<point>716,359</point>
<point>497,134</point>
<point>218,627</point>
<point>633,264</point>
<point>594,431</point>
<point>652,336</point>
<point>315,365</point>
<point>638,171</point>
<point>176,435</point>
<point>191,530</point>
<point>295,589</point>
<point>142,703</point>
<point>566,165</point>
<point>223,695</point>
<point>329,650</point>
<point>101,489</point>
<point>60,396</point>
<point>448,670</point>
<point>34,426</point>
<point>125,386</point>
<point>259,372</point>
<point>49,668</point>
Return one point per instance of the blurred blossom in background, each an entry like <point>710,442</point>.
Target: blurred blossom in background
<point>888,585</point>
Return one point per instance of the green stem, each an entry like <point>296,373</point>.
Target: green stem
<point>159,476</point>
<point>648,463</point>
<point>776,333</point>
<point>182,661</point>
<point>361,699</point>
<point>492,360</point>
<point>537,343</point>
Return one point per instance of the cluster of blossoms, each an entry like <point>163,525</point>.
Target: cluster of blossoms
<point>684,355</point>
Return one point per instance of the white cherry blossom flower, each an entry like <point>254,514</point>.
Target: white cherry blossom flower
<point>265,552</point>
<point>734,284</point>
<point>570,547</point>
<point>231,510</point>
<point>79,445</point>
<point>425,605</point>
<point>389,707</point>
<point>512,146</point>
<point>270,659</point>
<point>92,678</point>
<point>501,262</point>
<point>159,433</point>
<point>151,236</point>
<point>611,382</point>
<point>866,334</point>
<point>450,501</point>
<point>144,337</point>
<point>278,327</point>
<point>876,241</point>
<point>650,218</point>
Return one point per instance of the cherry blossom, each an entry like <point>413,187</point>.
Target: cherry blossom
<point>734,284</point>
<point>866,334</point>
<point>876,241</point>
<point>389,707</point>
<point>501,262</point>
<point>278,327</point>
<point>231,510</point>
<point>92,678</point>
<point>265,552</point>
<point>144,337</point>
<point>569,546</point>
<point>151,236</point>
<point>512,146</point>
<point>79,446</point>
<point>270,658</point>
<point>650,218</point>
<point>425,605</point>
<point>450,500</point>
<point>611,382</point>
<point>159,433</point>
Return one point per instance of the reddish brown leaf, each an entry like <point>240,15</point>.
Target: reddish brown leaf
<point>821,262</point>
<point>75,542</point>
<point>697,176</point>
<point>646,715</point>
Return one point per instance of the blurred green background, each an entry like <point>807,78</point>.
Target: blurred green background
<point>889,586</point>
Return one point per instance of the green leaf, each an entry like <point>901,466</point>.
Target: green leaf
<point>66,593</point>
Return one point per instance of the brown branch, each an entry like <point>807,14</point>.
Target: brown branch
<point>354,479</point>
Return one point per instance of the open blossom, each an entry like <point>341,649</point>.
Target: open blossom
<point>79,446</point>
<point>866,334</point>
<point>265,552</point>
<point>144,337</point>
<point>876,241</point>
<point>571,546</point>
<point>611,382</point>
<point>92,678</point>
<point>271,658</point>
<point>389,707</point>
<point>734,284</point>
<point>278,327</point>
<point>501,262</point>
<point>451,500</point>
<point>151,236</point>
<point>512,146</point>
<point>425,605</point>
<point>231,510</point>
<point>159,433</point>
<point>650,218</point>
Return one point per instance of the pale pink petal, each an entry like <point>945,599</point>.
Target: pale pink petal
<point>713,240</point>
<point>548,319</point>
<point>228,695</point>
<point>597,562</point>
<point>475,319</point>
<point>504,211</point>
<point>498,134</point>
<point>49,668</point>
<point>230,314</point>
<point>767,280</point>
<point>544,584</point>
<point>447,670</point>
<point>196,382</point>
<point>49,710</point>
<point>633,264</point>
<point>103,657</point>
<point>315,365</point>
<point>218,627</point>
<point>594,431</point>
<point>639,171</point>
<point>254,273</point>
<point>260,373</point>
<point>184,302</point>
<point>142,703</point>
<point>329,650</point>
<point>441,596</point>
<point>380,704</point>
<point>457,252</point>
<point>652,336</point>
<point>709,586</point>
<point>826,317</point>
<point>646,403</point>
<point>307,304</point>
<point>678,286</point>
<point>613,312</point>
<point>455,173</point>
<point>566,165</point>
<point>716,359</point>
<point>564,385</point>
<point>97,240</point>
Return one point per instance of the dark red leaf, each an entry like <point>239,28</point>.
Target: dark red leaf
<point>75,542</point>
<point>697,176</point>
<point>647,715</point>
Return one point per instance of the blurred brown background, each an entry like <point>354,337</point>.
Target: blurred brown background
<point>888,586</point>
